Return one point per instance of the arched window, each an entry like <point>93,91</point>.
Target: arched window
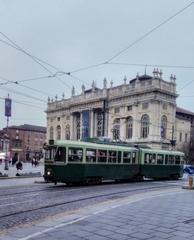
<point>129,127</point>
<point>58,132</point>
<point>116,129</point>
<point>145,126</point>
<point>67,132</point>
<point>51,133</point>
<point>163,126</point>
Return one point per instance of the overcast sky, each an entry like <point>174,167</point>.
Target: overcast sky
<point>71,34</point>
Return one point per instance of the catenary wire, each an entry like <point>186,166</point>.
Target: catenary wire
<point>53,75</point>
<point>22,94</point>
<point>151,31</point>
<point>32,57</point>
<point>23,103</point>
<point>136,41</point>
<point>151,65</point>
<point>22,85</point>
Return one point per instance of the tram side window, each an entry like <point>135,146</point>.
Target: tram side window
<point>150,158</point>
<point>119,157</point>
<point>147,158</point>
<point>102,156</point>
<point>126,157</point>
<point>154,159</point>
<point>133,157</point>
<point>112,156</point>
<point>160,159</point>
<point>75,154</point>
<point>60,155</point>
<point>177,160</point>
<point>50,153</point>
<point>90,155</point>
<point>171,159</point>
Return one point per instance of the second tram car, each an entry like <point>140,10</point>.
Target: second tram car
<point>83,162</point>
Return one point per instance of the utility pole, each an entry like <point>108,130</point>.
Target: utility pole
<point>7,114</point>
<point>172,140</point>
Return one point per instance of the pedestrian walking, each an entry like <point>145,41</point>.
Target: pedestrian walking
<point>14,159</point>
<point>33,161</point>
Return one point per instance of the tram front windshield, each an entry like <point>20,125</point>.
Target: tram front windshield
<point>50,153</point>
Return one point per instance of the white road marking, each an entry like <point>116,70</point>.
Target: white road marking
<point>51,228</point>
<point>136,198</point>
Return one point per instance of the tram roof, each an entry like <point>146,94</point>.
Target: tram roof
<point>162,151</point>
<point>90,145</point>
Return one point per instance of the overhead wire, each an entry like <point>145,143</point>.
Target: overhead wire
<point>151,65</point>
<point>24,103</point>
<point>108,61</point>
<point>22,85</point>
<point>184,86</point>
<point>23,94</point>
<point>53,75</point>
<point>37,60</point>
<point>150,31</point>
<point>102,63</point>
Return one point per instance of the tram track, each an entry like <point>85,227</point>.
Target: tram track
<point>106,196</point>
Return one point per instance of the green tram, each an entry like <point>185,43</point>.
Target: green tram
<point>83,162</point>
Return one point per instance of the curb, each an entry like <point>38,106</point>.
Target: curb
<point>4,178</point>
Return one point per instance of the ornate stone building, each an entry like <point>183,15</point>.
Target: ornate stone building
<point>142,110</point>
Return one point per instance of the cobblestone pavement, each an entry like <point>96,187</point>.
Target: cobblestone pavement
<point>162,214</point>
<point>25,204</point>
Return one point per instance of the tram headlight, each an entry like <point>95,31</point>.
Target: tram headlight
<point>48,173</point>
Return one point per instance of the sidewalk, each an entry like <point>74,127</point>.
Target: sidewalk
<point>27,170</point>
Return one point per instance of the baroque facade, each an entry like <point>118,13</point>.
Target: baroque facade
<point>142,110</point>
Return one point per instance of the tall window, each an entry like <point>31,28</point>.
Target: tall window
<point>67,132</point>
<point>180,137</point>
<point>99,131</point>
<point>163,126</point>
<point>129,127</point>
<point>145,126</point>
<point>58,132</point>
<point>78,126</point>
<point>116,129</point>
<point>186,137</point>
<point>51,133</point>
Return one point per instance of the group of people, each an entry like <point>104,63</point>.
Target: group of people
<point>18,163</point>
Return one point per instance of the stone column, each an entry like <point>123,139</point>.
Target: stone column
<point>91,123</point>
<point>81,125</point>
<point>106,124</point>
<point>122,129</point>
<point>71,126</point>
